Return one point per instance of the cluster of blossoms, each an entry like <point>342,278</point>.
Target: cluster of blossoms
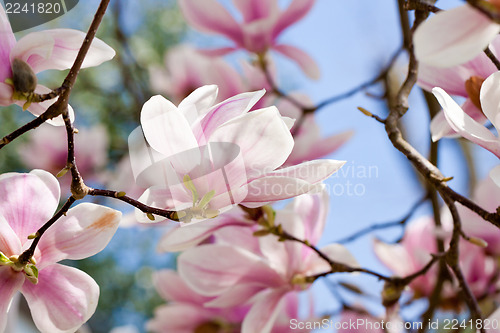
<point>217,156</point>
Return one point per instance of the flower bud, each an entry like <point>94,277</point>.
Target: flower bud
<point>23,77</point>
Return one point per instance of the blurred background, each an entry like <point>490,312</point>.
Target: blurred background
<point>351,41</point>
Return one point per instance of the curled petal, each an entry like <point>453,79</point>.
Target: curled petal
<point>454,36</point>
<point>58,48</point>
<point>63,300</point>
<point>305,62</point>
<point>465,125</point>
<point>84,231</point>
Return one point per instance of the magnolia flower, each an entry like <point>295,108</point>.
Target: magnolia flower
<point>262,274</point>
<point>415,250</point>
<point>467,127</point>
<point>47,149</point>
<point>454,37</point>
<point>462,80</point>
<point>206,158</point>
<point>61,298</point>
<point>263,22</point>
<point>36,52</point>
<point>187,69</point>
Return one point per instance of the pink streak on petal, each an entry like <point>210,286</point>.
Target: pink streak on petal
<point>10,283</point>
<point>9,242</point>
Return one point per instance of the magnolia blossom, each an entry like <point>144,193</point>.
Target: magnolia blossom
<point>263,22</point>
<point>186,69</point>
<point>467,127</point>
<point>206,158</point>
<point>462,80</point>
<point>454,37</point>
<point>486,195</point>
<point>415,250</point>
<point>61,298</point>
<point>262,271</point>
<point>47,149</point>
<point>36,52</point>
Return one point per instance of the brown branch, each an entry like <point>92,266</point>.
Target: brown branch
<point>169,214</point>
<point>26,255</point>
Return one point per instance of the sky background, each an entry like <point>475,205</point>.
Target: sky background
<point>351,42</point>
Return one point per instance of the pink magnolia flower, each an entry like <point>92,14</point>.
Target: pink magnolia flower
<point>462,80</point>
<point>454,37</point>
<point>487,195</point>
<point>415,250</point>
<point>47,149</point>
<point>187,69</point>
<point>467,127</point>
<point>262,275</point>
<point>37,52</point>
<point>206,158</point>
<point>60,298</point>
<point>263,22</point>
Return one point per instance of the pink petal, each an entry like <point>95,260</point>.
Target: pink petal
<point>465,125</point>
<point>17,206</point>
<point>218,52</point>
<point>395,257</point>
<point>181,238</point>
<point>454,36</point>
<point>213,269</point>
<point>165,127</point>
<point>490,99</point>
<point>172,288</point>
<point>264,312</point>
<point>237,295</point>
<point>179,318</point>
<point>58,48</point>
<point>441,128</point>
<point>296,11</point>
<point>210,16</point>
<point>253,10</point>
<point>63,300</point>
<point>310,171</point>
<point>9,242</point>
<point>227,110</point>
<point>84,231</point>
<point>263,137</point>
<point>11,282</point>
<point>305,62</point>
<point>313,211</point>
<point>275,188</point>
<point>451,79</point>
<point>6,91</point>
<point>7,42</point>
<point>200,100</point>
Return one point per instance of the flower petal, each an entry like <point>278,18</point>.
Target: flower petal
<point>454,36</point>
<point>227,110</point>
<point>264,312</point>
<point>84,231</point>
<point>210,16</point>
<point>7,42</point>
<point>295,11</point>
<point>490,99</point>
<point>9,242</point>
<point>58,48</point>
<point>17,206</point>
<point>201,99</point>
<point>165,127</point>
<point>305,62</point>
<point>63,300</point>
<point>11,282</point>
<point>465,125</point>
<point>179,318</point>
<point>311,171</point>
<point>213,269</point>
<point>263,137</point>
<point>495,175</point>
<point>253,10</point>
<point>172,288</point>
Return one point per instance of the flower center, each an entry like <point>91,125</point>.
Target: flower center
<point>473,89</point>
<point>29,269</point>
<point>200,209</point>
